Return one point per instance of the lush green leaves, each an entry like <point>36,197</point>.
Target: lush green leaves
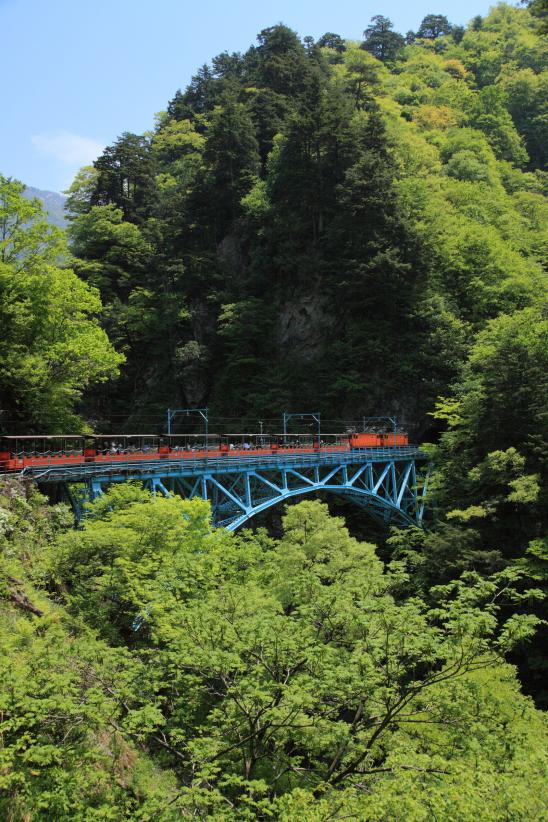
<point>256,679</point>
<point>311,224</point>
<point>52,346</point>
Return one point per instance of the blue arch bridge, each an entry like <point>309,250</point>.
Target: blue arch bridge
<point>390,484</point>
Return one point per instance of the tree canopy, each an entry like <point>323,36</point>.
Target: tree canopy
<point>174,670</point>
<point>52,346</point>
<point>355,226</point>
<point>376,202</point>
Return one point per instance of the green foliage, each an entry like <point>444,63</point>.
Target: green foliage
<point>434,26</point>
<point>490,487</point>
<point>380,40</point>
<point>116,250</point>
<point>231,150</point>
<point>253,679</point>
<point>63,754</point>
<point>362,207</point>
<point>125,176</point>
<point>80,191</point>
<point>140,545</point>
<point>353,227</point>
<point>52,346</point>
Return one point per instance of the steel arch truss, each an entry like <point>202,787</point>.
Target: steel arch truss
<point>390,491</point>
<point>389,484</point>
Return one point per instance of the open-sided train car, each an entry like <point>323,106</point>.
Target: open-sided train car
<point>16,452</point>
<point>282,442</point>
<point>19,452</point>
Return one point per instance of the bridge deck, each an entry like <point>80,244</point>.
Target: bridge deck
<point>385,482</point>
<point>117,471</point>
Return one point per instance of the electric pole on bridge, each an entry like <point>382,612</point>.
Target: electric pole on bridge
<point>187,412</point>
<point>314,415</point>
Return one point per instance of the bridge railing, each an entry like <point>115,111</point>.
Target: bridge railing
<point>224,464</point>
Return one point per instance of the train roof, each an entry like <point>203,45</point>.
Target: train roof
<point>43,436</point>
<point>118,436</point>
<point>246,434</point>
<point>71,436</point>
<point>201,436</point>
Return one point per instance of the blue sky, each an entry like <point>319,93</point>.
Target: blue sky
<point>76,73</point>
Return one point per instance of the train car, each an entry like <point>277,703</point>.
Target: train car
<point>241,444</point>
<point>245,444</point>
<point>334,442</point>
<point>304,443</point>
<point>123,447</point>
<point>119,447</point>
<point>184,445</point>
<point>365,439</point>
<point>18,452</point>
<point>392,440</point>
<point>5,461</point>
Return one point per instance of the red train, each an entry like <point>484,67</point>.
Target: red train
<point>18,452</point>
<point>365,439</point>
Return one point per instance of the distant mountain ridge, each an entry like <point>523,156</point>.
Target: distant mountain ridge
<point>54,203</point>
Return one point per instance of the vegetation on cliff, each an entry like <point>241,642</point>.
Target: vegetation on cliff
<point>327,223</point>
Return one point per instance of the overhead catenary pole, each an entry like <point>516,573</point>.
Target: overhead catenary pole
<point>315,415</point>
<point>203,413</point>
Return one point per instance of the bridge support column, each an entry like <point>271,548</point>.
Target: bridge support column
<point>422,499</point>
<point>95,490</point>
<point>247,492</point>
<point>157,484</point>
<point>394,483</point>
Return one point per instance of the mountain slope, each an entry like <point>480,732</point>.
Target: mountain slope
<point>54,203</point>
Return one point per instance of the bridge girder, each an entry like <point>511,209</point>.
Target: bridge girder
<point>388,492</point>
<point>386,483</point>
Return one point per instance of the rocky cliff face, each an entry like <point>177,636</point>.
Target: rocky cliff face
<point>302,323</point>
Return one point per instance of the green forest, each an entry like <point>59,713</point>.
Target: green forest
<point>356,226</point>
